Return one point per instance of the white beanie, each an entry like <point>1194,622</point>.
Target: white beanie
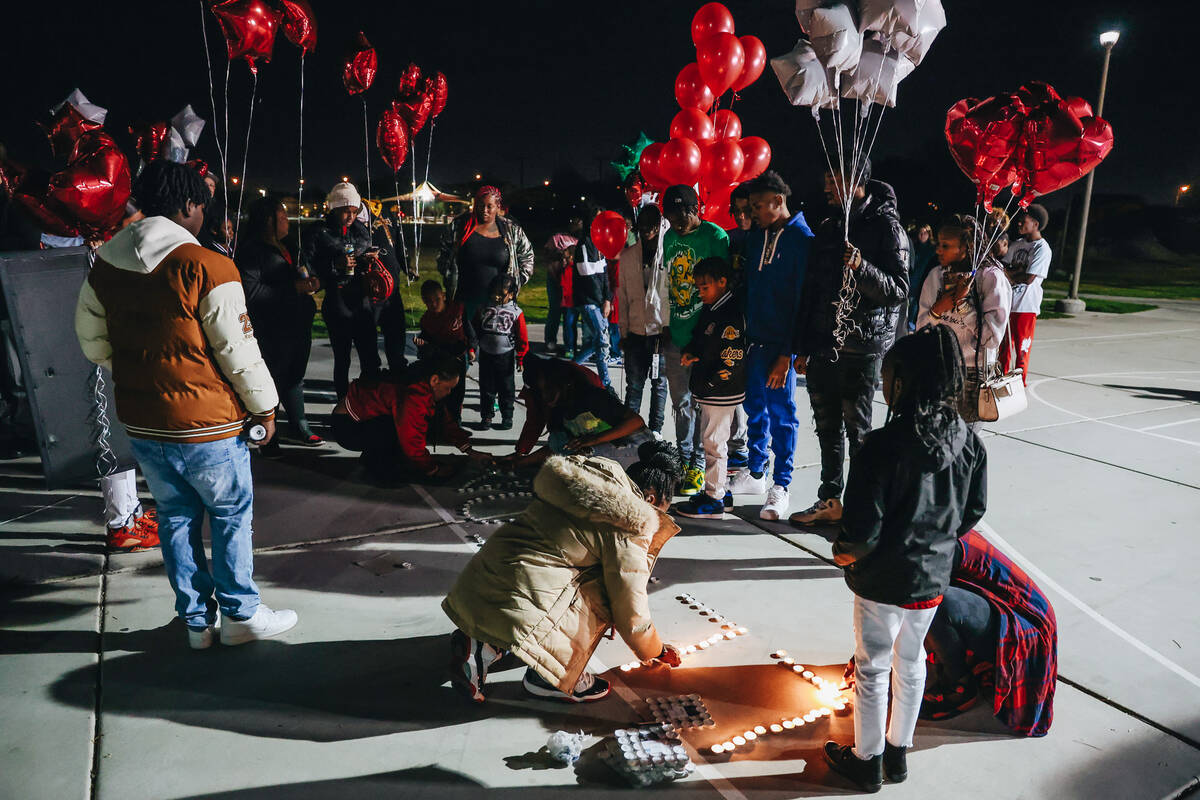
<point>342,195</point>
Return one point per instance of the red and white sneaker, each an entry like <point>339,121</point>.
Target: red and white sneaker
<point>141,535</point>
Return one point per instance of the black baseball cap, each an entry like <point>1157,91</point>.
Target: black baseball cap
<point>680,197</point>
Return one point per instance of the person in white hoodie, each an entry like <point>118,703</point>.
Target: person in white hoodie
<point>644,311</point>
<point>974,305</point>
<point>168,318</point>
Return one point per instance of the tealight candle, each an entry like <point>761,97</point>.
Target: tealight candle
<point>779,654</point>
<point>729,746</point>
<point>797,669</point>
<point>808,674</point>
<point>749,736</point>
<point>760,730</point>
<point>788,724</point>
<point>797,721</point>
<point>625,668</point>
<point>776,728</point>
<point>730,635</point>
<point>789,661</point>
<point>809,717</point>
<point>739,741</point>
<point>717,749</point>
<point>703,645</point>
<point>742,631</point>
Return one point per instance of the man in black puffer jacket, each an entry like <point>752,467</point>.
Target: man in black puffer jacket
<point>841,379</point>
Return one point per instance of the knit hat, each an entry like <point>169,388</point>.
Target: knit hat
<point>680,197</point>
<point>1040,215</point>
<point>343,195</point>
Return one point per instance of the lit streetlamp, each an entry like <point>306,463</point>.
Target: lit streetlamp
<point>262,192</point>
<point>478,176</point>
<point>345,179</point>
<point>1071,303</point>
<point>1181,191</point>
<point>545,183</point>
<point>234,180</point>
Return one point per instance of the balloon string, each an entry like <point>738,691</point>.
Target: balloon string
<point>224,166</point>
<point>212,100</point>
<point>106,459</point>
<point>400,230</point>
<point>367,144</point>
<point>412,149</point>
<point>300,191</point>
<point>237,226</point>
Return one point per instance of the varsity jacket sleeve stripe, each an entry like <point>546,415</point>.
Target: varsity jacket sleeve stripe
<point>227,327</point>
<point>91,327</point>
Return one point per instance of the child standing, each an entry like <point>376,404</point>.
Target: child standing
<point>1028,264</point>
<point>503,343</point>
<point>716,354</point>
<point>915,486</point>
<point>443,330</point>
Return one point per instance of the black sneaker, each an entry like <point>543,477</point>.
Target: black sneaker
<point>588,688</point>
<point>895,765</point>
<point>866,775</point>
<point>485,424</point>
<point>504,424</point>
<point>469,662</point>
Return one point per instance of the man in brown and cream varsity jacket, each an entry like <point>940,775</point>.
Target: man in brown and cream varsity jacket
<point>168,318</point>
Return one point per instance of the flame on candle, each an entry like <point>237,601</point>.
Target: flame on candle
<point>728,746</point>
<point>788,724</point>
<point>808,674</point>
<point>749,736</point>
<point>739,741</point>
<point>776,728</point>
<point>760,730</point>
<point>717,749</point>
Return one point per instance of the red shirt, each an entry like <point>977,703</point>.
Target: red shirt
<point>445,329</point>
<point>413,408</point>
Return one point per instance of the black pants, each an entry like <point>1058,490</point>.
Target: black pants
<point>840,393</point>
<point>964,621</point>
<point>285,349</point>
<point>357,331</point>
<point>497,380</point>
<point>376,439</point>
<point>393,326</point>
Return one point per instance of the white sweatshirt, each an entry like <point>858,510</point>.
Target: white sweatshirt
<point>992,291</point>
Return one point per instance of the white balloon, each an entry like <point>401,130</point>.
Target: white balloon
<point>89,111</point>
<point>804,9</point>
<point>890,16</point>
<point>802,77</point>
<point>835,37</point>
<point>189,124</point>
<point>929,23</point>
<point>879,73</point>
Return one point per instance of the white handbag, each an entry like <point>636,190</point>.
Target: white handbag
<point>1003,394</point>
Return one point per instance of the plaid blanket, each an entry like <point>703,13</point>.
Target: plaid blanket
<point>1027,645</point>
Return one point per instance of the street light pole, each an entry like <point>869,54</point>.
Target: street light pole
<point>1072,304</point>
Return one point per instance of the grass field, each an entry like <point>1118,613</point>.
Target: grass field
<point>1174,279</point>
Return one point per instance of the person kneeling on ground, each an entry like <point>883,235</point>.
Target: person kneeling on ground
<point>581,415</point>
<point>915,486</point>
<point>390,422</point>
<point>547,586</point>
<point>994,625</point>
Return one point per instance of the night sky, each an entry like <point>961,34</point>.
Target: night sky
<point>563,84</point>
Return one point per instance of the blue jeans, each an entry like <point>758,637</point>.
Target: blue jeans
<point>614,338</point>
<point>188,480</point>
<point>688,432</point>
<point>639,353</point>
<point>596,340</point>
<point>556,310</point>
<point>570,328</point>
<point>770,414</point>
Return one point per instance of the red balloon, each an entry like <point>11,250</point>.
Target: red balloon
<point>415,110</point>
<point>648,165</point>
<point>359,66</point>
<point>691,91</point>
<point>608,233</point>
<point>1059,147</point>
<point>391,137</point>
<point>758,157</point>
<point>410,80</point>
<point>299,24</point>
<point>198,164</point>
<point>88,197</point>
<point>721,60</point>
<point>716,207</point>
<point>149,138</point>
<point>48,219</point>
<point>65,127</point>
<point>437,84</point>
<point>985,139</point>
<point>711,18</point>
<point>680,162</point>
<point>727,125</point>
<point>694,124</point>
<point>722,163</point>
<point>249,27</point>
<point>756,61</point>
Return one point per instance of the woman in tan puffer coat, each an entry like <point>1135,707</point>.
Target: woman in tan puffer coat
<point>547,586</point>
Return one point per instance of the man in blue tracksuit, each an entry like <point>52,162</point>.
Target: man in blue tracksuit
<point>776,255</point>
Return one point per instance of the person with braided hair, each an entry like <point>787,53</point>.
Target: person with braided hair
<point>916,485</point>
<point>547,586</point>
<point>974,304</point>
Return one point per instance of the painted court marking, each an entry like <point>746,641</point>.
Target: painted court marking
<point>1115,336</point>
<point>1048,582</point>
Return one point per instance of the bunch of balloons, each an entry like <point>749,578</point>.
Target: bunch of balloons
<point>419,98</point>
<point>706,148</point>
<point>87,197</point>
<point>1031,141</point>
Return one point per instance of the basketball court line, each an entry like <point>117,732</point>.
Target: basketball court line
<point>1114,336</point>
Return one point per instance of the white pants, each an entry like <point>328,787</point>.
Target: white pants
<point>715,424</point>
<point>121,504</point>
<point>887,639</point>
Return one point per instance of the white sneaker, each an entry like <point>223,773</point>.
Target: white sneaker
<point>776,506</point>
<point>745,483</point>
<point>264,624</point>
<point>200,639</point>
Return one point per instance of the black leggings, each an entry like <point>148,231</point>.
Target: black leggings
<point>357,331</point>
<point>497,380</point>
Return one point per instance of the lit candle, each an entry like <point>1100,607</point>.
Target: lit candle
<point>776,728</point>
<point>625,668</point>
<point>797,721</point>
<point>825,712</point>
<point>717,749</point>
<point>809,717</point>
<point>760,730</point>
<point>703,645</point>
<point>742,631</point>
<point>797,669</point>
<point>779,654</point>
<point>749,736</point>
<point>739,741</point>
<point>788,724</point>
<point>789,661</point>
<point>728,747</point>
<point>808,674</point>
<point>730,634</point>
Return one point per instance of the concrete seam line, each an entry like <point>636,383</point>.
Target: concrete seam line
<point>39,509</point>
<point>98,709</point>
<point>444,514</point>
<point>1097,460</point>
<point>1096,616</point>
<point>1124,709</point>
<point>1116,336</point>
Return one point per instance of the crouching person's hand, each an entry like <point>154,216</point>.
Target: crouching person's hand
<point>670,656</point>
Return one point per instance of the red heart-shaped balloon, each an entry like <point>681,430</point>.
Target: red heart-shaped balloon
<point>94,188</point>
<point>359,66</point>
<point>391,137</point>
<point>985,141</point>
<point>415,110</point>
<point>437,88</point>
<point>65,127</point>
<point>299,24</point>
<point>249,27</point>
<point>1060,148</point>
<point>148,138</point>
<point>410,80</point>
